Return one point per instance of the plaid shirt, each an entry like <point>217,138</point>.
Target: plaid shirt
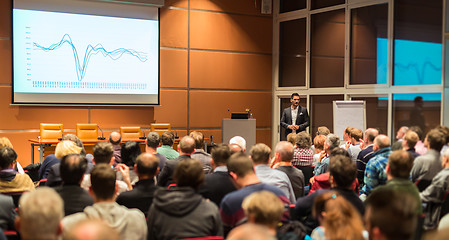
<point>375,174</point>
<point>302,157</point>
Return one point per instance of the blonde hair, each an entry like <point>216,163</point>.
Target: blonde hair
<point>66,147</point>
<point>4,142</point>
<point>291,137</point>
<point>264,207</point>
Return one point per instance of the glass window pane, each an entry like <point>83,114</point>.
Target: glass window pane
<point>292,53</point>
<point>325,3</point>
<point>416,109</point>
<point>322,112</point>
<point>369,32</point>
<point>417,42</point>
<point>291,5</point>
<point>285,103</point>
<point>327,49</point>
<point>376,112</point>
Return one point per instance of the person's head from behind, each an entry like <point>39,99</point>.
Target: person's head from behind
<point>381,142</point>
<point>66,147</point>
<point>323,130</point>
<point>400,164</point>
<point>291,138</point>
<point>129,152</point>
<point>260,154</point>
<point>318,143</point>
<point>356,135</point>
<point>347,133</point>
<point>418,131</point>
<point>168,138</point>
<point>189,173</point>
<point>91,229</point>
<point>199,139</point>
<point>4,142</point>
<point>187,145</point>
<point>263,208</point>
<point>240,166</point>
<point>153,140</point>
<point>332,141</point>
<point>8,158</point>
<point>239,141</point>
<point>115,138</point>
<point>40,214</point>
<point>370,135</point>
<point>72,169</point>
<point>103,153</point>
<point>235,148</point>
<point>102,179</point>
<point>220,155</point>
<point>339,217</point>
<point>435,140</point>
<point>76,140</point>
<point>303,140</point>
<point>390,214</point>
<point>147,165</point>
<point>342,171</point>
<point>339,151</point>
<point>409,140</point>
<point>284,151</point>
<point>445,130</point>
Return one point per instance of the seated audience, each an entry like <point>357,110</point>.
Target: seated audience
<point>399,137</point>
<point>91,229</point>
<point>445,131</point>
<point>72,170</point>
<point>250,231</point>
<point>323,130</point>
<point>129,152</point>
<point>180,212</point>
<point>199,152</point>
<point>186,148</point>
<point>116,140</point>
<point>426,166</point>
<point>7,212</point>
<point>318,143</point>
<point>332,142</point>
<point>375,168</point>
<point>153,141</point>
<point>346,138</point>
<point>420,148</point>
<point>130,223</point>
<point>338,218</point>
<point>356,137</point>
<point>390,215</point>
<point>218,183</point>
<point>366,154</point>
<point>240,141</point>
<point>10,179</point>
<point>408,143</point>
<point>241,169</point>
<point>291,138</point>
<point>40,215</point>
<point>167,139</point>
<point>260,154</point>
<point>4,142</point>
<point>142,195</point>
<point>303,154</point>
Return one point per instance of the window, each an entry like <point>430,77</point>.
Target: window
<point>291,5</point>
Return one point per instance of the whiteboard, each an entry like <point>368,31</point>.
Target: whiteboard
<point>349,114</point>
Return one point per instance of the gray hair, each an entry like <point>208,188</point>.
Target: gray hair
<point>153,139</point>
<point>285,150</point>
<point>333,141</point>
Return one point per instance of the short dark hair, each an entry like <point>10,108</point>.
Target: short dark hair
<point>436,139</point>
<point>400,163</point>
<point>72,169</point>
<point>445,131</point>
<point>357,134</point>
<point>7,157</point>
<point>199,139</point>
<point>168,138</point>
<point>348,130</point>
<point>339,152</point>
<point>221,153</point>
<point>418,131</point>
<point>393,212</point>
<point>103,152</point>
<point>294,95</point>
<point>147,164</point>
<point>153,139</point>
<point>115,142</point>
<point>189,173</point>
<point>260,153</point>
<point>343,170</point>
<point>240,164</point>
<point>187,144</point>
<point>103,179</point>
<point>129,152</point>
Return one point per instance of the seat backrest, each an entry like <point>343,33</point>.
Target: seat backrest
<point>15,196</point>
<point>160,127</point>
<point>130,133</point>
<point>87,130</point>
<point>51,131</point>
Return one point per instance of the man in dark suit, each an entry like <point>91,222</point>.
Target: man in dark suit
<point>218,183</point>
<point>366,154</point>
<point>295,118</point>
<point>141,197</point>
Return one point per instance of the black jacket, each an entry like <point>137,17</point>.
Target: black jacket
<point>140,197</point>
<point>302,119</point>
<point>165,177</point>
<point>75,198</point>
<point>216,186</point>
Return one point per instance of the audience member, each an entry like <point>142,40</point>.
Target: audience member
<point>130,223</point>
<point>129,152</point>
<point>218,183</point>
<point>303,154</point>
<point>250,231</point>
<point>199,152</point>
<point>91,229</point>
<point>318,143</point>
<point>408,143</point>
<point>186,147</point>
<point>366,154</point>
<point>420,148</point>
<point>241,169</point>
<point>346,138</point>
<point>7,212</point>
<point>72,170</point>
<point>63,148</point>
<point>323,130</point>
<point>399,138</point>
<point>116,140</point>
<point>142,195</point>
<point>153,141</point>
<point>235,148</point>
<point>425,167</point>
<point>390,215</point>
<point>332,142</point>
<point>445,131</point>
<point>375,168</point>
<point>240,141</point>
<point>356,137</point>
<point>167,139</point>
<point>260,154</point>
<point>4,142</point>
<point>291,138</point>
<point>192,215</point>
<point>10,179</point>
<point>338,218</point>
<point>40,215</point>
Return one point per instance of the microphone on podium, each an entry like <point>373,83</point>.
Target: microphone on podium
<point>102,134</point>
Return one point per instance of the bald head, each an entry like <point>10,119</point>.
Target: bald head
<point>235,148</point>
<point>115,138</point>
<point>187,145</point>
<point>381,142</point>
<point>285,151</point>
<point>370,135</point>
<point>147,165</point>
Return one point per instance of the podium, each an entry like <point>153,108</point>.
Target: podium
<point>245,128</point>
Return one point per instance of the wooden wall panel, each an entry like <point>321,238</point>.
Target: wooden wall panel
<point>263,136</point>
<point>216,133</point>
<point>233,6</point>
<point>173,68</point>
<point>230,32</point>
<point>173,108</point>
<point>230,70</point>
<point>202,103</point>
<point>122,116</point>
<point>5,18</point>
<point>173,28</point>
<point>177,3</point>
<point>5,61</point>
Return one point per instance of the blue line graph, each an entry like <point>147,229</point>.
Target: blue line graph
<point>81,67</point>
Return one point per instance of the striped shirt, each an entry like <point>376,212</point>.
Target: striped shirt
<point>302,157</point>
